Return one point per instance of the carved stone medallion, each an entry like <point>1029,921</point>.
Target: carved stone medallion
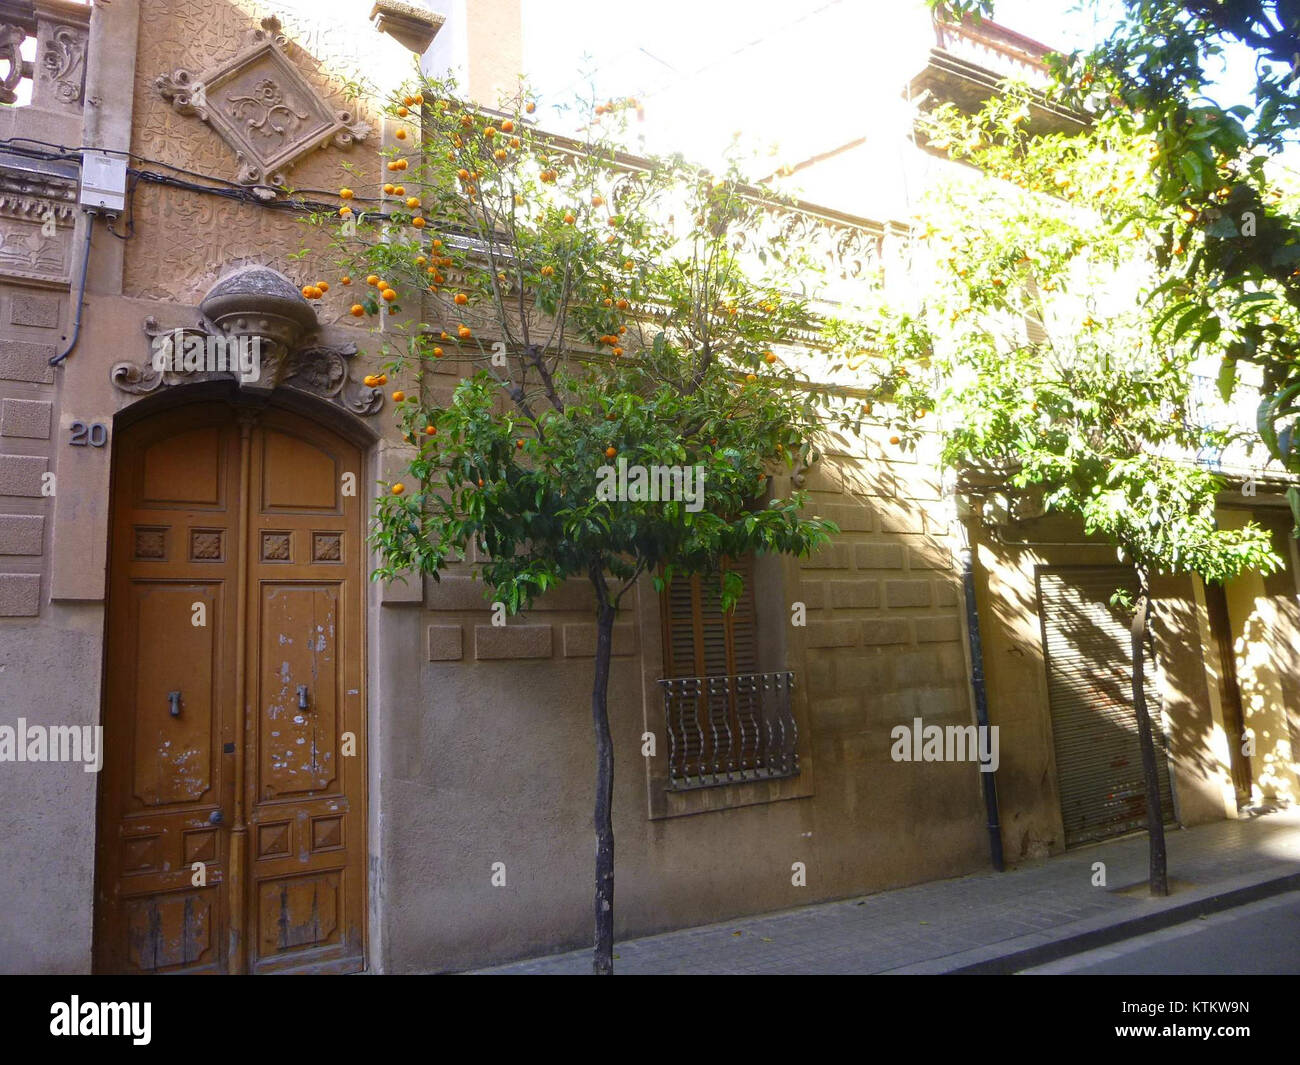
<point>263,107</point>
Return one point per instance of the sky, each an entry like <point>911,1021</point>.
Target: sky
<point>705,69</point>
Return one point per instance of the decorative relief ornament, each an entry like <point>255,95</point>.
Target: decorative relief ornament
<point>257,330</point>
<point>263,107</point>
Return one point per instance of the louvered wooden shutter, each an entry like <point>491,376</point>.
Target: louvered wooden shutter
<point>1090,691</point>
<point>699,639</point>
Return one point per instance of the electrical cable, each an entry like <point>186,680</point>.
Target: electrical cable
<point>81,289</point>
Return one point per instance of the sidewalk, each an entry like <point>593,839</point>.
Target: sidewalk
<point>985,922</point>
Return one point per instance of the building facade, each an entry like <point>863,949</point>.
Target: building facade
<point>300,769</point>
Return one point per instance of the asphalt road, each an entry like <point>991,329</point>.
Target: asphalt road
<point>1261,937</point>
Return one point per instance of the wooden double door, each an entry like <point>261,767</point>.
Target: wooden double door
<point>232,824</point>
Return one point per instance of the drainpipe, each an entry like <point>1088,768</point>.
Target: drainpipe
<point>981,697</point>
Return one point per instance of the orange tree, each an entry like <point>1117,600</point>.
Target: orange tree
<point>1221,199</point>
<point>1034,310</point>
<point>601,309</point>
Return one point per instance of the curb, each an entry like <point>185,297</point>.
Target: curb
<point>1035,950</point>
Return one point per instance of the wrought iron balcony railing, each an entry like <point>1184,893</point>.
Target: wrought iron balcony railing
<point>729,729</point>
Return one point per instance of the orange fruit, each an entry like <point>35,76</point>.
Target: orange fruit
<point>610,452</point>
<point>514,142</point>
<point>596,201</point>
<point>401,164</point>
<point>420,260</point>
<point>398,190</point>
<point>464,332</point>
<point>356,310</point>
<point>324,286</point>
<point>393,165</point>
<point>345,211</point>
<point>436,243</point>
<point>372,279</point>
<point>623,305</point>
<point>769,358</point>
<point>310,292</point>
<point>894,440</point>
<point>400,134</point>
<point>418,222</point>
<point>345,280</point>
<point>381,379</point>
<point>463,174</point>
<point>418,99</point>
<point>346,194</point>
<point>438,279</point>
<point>618,351</point>
<point>389,294</point>
<point>408,100</point>
<point>460,299</point>
<point>437,353</point>
<point>628,264</point>
<point>489,132</point>
<point>751,377</point>
<point>389,189</point>
<point>413,202</point>
<point>369,380</point>
<point>430,430</point>
<point>569,218</point>
<point>500,155</point>
<point>547,271</point>
<point>402,112</point>
<point>607,303</point>
<point>398,396</point>
<point>507,126</point>
<point>530,107</point>
<point>519,444</point>
<point>399,488</point>
<point>480,482</point>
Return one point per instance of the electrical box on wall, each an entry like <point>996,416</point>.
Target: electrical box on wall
<point>103,181</point>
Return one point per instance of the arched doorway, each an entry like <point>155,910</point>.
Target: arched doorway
<point>232,828</point>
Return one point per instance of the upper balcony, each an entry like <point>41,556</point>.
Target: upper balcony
<point>970,60</point>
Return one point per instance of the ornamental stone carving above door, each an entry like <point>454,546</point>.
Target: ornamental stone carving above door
<point>263,107</point>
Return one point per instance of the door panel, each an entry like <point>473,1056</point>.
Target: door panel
<point>281,881</point>
<point>307,881</point>
<point>299,689</point>
<point>175,737</point>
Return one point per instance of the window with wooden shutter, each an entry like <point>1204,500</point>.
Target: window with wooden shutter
<point>726,720</point>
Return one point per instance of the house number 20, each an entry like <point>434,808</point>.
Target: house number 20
<point>95,434</point>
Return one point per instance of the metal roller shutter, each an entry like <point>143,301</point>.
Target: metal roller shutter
<point>1094,725</point>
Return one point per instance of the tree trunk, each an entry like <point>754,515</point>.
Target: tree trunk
<point>603,960</point>
<point>1159,880</point>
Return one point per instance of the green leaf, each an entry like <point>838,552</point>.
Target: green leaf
<point>1222,228</point>
<point>1227,378</point>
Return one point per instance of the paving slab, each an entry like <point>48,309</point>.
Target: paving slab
<point>984,922</point>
